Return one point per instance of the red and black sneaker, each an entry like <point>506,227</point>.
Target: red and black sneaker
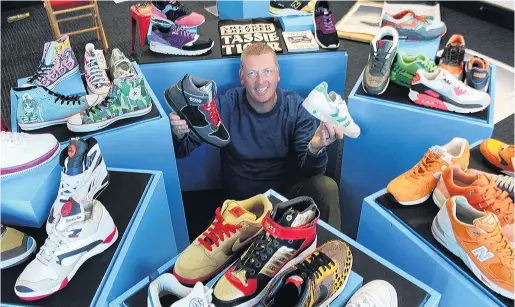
<point>289,237</point>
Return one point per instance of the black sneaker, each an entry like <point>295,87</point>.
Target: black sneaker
<point>325,31</point>
<point>176,13</point>
<point>289,8</point>
<point>453,56</point>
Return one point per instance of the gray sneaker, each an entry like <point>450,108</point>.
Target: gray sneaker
<point>119,65</point>
<point>193,99</point>
<point>382,53</point>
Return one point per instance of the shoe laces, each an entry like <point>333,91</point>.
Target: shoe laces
<point>68,186</point>
<point>452,55</point>
<point>258,253</point>
<point>95,74</point>
<point>418,17</point>
<point>429,66</point>
<point>496,200</point>
<point>41,72</point>
<point>315,265</point>
<point>12,138</point>
<point>363,300</point>
<point>428,163</point>
<point>212,113</point>
<point>47,252</point>
<point>217,232</point>
<point>498,243</point>
<point>181,31</point>
<point>103,105</point>
<point>75,99</point>
<point>505,182</point>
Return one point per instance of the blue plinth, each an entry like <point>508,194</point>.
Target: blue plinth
<point>394,137</point>
<point>297,23</point>
<point>231,9</point>
<point>427,48</point>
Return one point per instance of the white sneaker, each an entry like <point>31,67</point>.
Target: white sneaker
<point>120,66</point>
<point>331,108</point>
<point>84,175</point>
<point>377,293</point>
<point>96,77</point>
<point>83,230</point>
<point>167,284</point>
<point>23,152</point>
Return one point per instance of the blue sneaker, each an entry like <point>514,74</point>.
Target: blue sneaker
<point>477,72</point>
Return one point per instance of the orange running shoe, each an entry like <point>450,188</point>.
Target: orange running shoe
<point>476,238</point>
<point>416,185</point>
<point>481,192</point>
<point>453,56</point>
<point>499,154</point>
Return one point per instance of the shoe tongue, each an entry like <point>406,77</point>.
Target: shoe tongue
<point>197,297</point>
<point>481,180</point>
<point>487,223</point>
<point>76,152</point>
<point>90,50</point>
<point>50,54</point>
<point>442,153</point>
<point>295,218</point>
<point>234,213</point>
<point>384,45</point>
<point>208,90</point>
<point>71,212</point>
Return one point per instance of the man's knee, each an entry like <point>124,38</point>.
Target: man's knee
<point>324,185</point>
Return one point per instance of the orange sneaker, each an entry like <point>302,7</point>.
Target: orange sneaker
<point>453,56</point>
<point>416,185</point>
<point>499,154</point>
<point>481,192</point>
<point>476,238</point>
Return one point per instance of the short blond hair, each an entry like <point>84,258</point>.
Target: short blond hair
<point>257,49</point>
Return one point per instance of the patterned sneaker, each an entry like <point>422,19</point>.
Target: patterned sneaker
<point>289,237</point>
<point>406,66</point>
<point>176,13</point>
<point>128,98</point>
<point>235,226</point>
<point>167,285</point>
<point>289,8</point>
<point>325,31</point>
<point>177,41</point>
<point>120,66</point>
<point>57,64</point>
<point>414,27</point>
<point>96,77</point>
<point>16,247</point>
<point>316,281</point>
<point>39,107</point>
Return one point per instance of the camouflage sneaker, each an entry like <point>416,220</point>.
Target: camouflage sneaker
<point>127,98</point>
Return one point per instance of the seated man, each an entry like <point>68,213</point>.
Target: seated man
<point>274,141</point>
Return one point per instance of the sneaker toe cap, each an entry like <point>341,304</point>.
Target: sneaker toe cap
<point>75,120</point>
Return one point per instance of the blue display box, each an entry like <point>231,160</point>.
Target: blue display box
<point>395,134</point>
<point>229,9</point>
<point>297,23</point>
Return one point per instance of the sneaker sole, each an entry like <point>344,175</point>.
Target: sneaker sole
<point>436,103</point>
<point>176,51</point>
<point>107,122</point>
<point>34,126</point>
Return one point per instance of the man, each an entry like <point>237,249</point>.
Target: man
<point>274,141</point>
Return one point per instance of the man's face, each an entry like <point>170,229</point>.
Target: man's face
<point>260,76</point>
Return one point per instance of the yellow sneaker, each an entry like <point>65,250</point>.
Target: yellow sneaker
<point>16,247</point>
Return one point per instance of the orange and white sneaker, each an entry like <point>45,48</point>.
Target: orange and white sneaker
<point>233,230</point>
<point>416,185</point>
<point>481,192</point>
<point>476,238</point>
<point>499,154</point>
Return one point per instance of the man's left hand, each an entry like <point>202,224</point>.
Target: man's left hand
<point>325,135</point>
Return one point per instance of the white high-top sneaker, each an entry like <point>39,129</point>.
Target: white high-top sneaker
<point>96,77</point>
<point>167,284</point>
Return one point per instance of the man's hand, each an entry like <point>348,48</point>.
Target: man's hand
<point>325,135</point>
<point>179,126</point>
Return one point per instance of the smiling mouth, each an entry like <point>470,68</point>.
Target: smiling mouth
<point>261,90</point>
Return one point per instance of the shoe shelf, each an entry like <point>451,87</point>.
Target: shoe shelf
<point>136,201</point>
<point>394,129</point>
<point>402,235</point>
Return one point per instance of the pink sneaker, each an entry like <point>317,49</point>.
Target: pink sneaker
<point>177,13</point>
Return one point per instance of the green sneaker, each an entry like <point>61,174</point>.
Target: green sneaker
<point>128,97</point>
<point>405,67</point>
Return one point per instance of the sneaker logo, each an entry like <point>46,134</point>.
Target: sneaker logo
<point>482,253</point>
<point>195,100</point>
<point>196,302</point>
<point>503,162</point>
<point>238,244</point>
<point>269,227</point>
<point>458,91</point>
<point>66,209</point>
<point>277,261</point>
<point>135,93</point>
<point>75,233</point>
<point>71,150</point>
<point>237,211</point>
<point>296,4</point>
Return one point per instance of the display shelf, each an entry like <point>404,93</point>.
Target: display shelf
<point>402,235</point>
<point>136,200</point>
<point>297,23</point>
<point>393,129</point>
<point>243,9</point>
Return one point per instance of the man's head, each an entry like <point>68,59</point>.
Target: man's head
<point>259,72</point>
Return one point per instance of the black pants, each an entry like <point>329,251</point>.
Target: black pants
<point>324,192</point>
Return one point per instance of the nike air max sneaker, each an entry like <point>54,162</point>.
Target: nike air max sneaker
<point>173,39</point>
<point>289,236</point>
<point>96,77</point>
<point>453,56</point>
<point>499,154</point>
<point>476,238</point>
<point>316,281</point>
<point>167,284</point>
<point>193,99</point>
<point>325,30</point>
<point>16,247</point>
<point>416,185</point>
<point>84,175</point>
<point>22,152</point>
<point>82,230</point>
<point>119,65</point>
<point>406,66</point>
<point>236,224</point>
<point>289,8</point>
<point>477,74</point>
<point>377,292</point>
<point>175,13</point>
<point>331,108</point>
<point>414,27</point>
<point>440,90</point>
<point>380,58</point>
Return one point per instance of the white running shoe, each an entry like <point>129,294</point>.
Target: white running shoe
<point>96,77</point>
<point>331,108</point>
<point>83,230</point>
<point>84,175</point>
<point>167,284</point>
<point>377,293</point>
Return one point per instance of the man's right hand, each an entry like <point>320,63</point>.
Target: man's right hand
<point>179,126</point>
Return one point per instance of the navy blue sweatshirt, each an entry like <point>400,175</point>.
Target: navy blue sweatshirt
<point>266,150</point>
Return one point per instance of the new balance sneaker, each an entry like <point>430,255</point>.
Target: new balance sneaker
<point>477,74</point>
<point>23,152</point>
<point>39,107</point>
<point>414,27</point>
<point>416,185</point>
<point>504,182</point>
<point>58,63</point>
<point>476,238</point>
<point>168,285</point>
<point>84,175</point>
<point>453,56</point>
<point>440,90</point>
<point>96,77</point>
<point>176,40</point>
<point>119,65</point>
<point>193,99</point>
<point>16,247</point>
<point>380,58</point>
<point>289,8</point>
<point>377,292</point>
<point>289,236</point>
<point>499,154</point>
<point>331,108</point>
<point>406,66</point>
<point>235,226</point>
<point>128,98</point>
<point>316,281</point>
<point>176,13</point>
<point>325,30</point>
<point>83,230</point>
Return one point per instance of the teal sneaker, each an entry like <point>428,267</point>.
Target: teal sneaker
<point>405,67</point>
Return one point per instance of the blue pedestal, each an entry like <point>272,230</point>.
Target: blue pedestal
<point>427,48</point>
<point>243,9</point>
<point>395,134</point>
<point>297,23</point>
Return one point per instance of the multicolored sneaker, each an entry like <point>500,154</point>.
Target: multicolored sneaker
<point>477,73</point>
<point>406,66</point>
<point>452,59</point>
<point>235,226</point>
<point>291,8</point>
<point>127,98</point>
<point>414,27</point>
<point>325,30</point>
<point>57,64</point>
<point>40,107</point>
<point>176,13</point>
<point>289,237</point>
<point>96,77</point>
<point>120,66</point>
<point>316,281</point>
<point>177,41</point>
<point>16,247</point>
